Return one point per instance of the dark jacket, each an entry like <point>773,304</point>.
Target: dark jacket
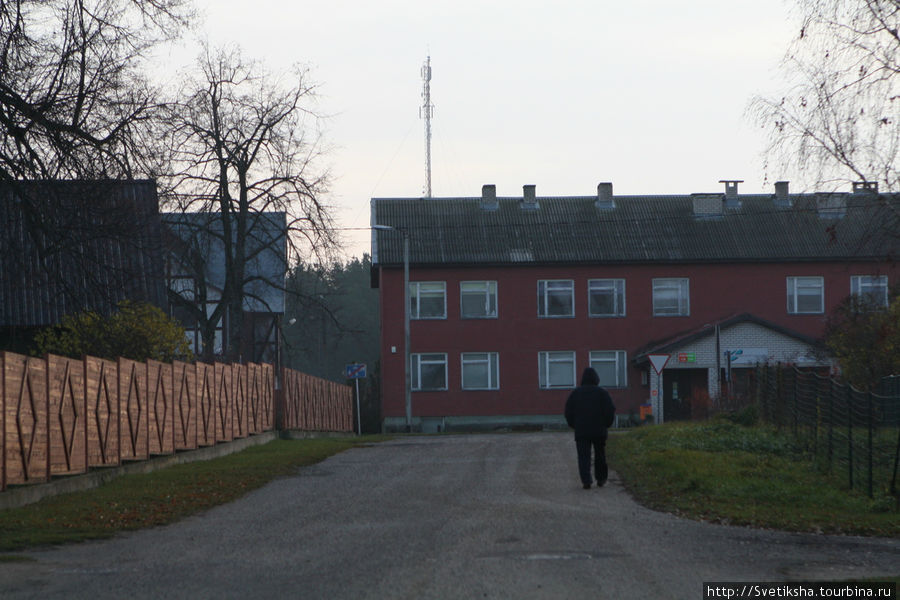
<point>590,412</point>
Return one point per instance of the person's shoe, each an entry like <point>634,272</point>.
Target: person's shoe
<point>586,486</point>
<point>601,482</point>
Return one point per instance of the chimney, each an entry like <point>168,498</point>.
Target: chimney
<point>529,200</point>
<point>707,206</point>
<point>861,187</point>
<point>605,196</point>
<point>831,206</point>
<point>782,194</point>
<point>489,197</point>
<point>731,192</point>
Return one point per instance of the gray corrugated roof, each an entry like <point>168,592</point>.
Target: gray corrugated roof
<point>66,246</point>
<point>638,229</point>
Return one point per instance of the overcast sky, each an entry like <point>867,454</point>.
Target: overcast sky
<point>651,96</point>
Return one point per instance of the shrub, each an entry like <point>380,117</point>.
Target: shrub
<point>747,416</point>
<point>137,330</point>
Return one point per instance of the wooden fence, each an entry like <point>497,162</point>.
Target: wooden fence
<point>60,416</point>
<point>314,404</point>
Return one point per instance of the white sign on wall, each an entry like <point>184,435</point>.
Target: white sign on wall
<point>748,356</point>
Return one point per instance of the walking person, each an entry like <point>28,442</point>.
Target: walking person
<point>590,412</point>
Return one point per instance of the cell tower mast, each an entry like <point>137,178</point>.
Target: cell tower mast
<point>425,112</point>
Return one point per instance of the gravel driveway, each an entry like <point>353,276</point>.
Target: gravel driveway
<point>469,516</point>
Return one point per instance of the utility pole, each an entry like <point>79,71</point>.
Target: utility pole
<point>425,112</point>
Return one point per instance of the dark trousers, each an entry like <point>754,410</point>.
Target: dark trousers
<point>601,471</point>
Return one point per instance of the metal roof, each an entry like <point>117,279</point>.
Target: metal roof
<point>634,229</point>
<point>67,246</point>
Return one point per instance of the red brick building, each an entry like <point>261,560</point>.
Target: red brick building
<point>510,298</point>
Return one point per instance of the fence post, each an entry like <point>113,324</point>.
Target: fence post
<point>795,409</point>
<point>896,464</point>
<point>817,421</point>
<point>850,433</point>
<point>759,395</point>
<point>871,427</point>
<point>830,422</point>
<point>776,396</point>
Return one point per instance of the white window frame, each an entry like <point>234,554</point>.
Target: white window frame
<point>491,359</point>
<point>871,286</point>
<point>415,369</point>
<point>415,292</point>
<point>617,286</point>
<point>490,293</point>
<point>683,286</point>
<point>545,359</point>
<point>544,287</point>
<point>795,284</point>
<point>617,357</point>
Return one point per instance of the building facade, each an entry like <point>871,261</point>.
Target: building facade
<point>510,298</point>
<point>196,277</point>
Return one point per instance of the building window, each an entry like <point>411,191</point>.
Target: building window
<point>606,297</point>
<point>610,366</point>
<point>428,372</point>
<point>478,299</point>
<point>671,297</point>
<point>428,300</point>
<point>556,298</point>
<point>480,371</point>
<point>873,289</point>
<point>805,295</point>
<point>556,369</point>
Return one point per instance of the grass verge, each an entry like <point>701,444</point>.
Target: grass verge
<point>727,473</point>
<point>138,501</point>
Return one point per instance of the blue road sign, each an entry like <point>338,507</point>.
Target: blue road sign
<point>356,371</point>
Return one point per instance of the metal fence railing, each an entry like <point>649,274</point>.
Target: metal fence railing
<point>853,434</point>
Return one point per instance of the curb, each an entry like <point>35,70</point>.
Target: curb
<point>15,497</point>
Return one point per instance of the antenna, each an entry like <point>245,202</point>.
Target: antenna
<point>425,112</point>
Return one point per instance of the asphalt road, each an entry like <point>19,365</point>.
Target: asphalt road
<point>473,516</point>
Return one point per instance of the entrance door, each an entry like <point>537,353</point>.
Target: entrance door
<point>679,387</point>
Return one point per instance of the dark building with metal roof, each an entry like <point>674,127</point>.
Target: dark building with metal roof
<point>68,246</point>
<point>512,296</point>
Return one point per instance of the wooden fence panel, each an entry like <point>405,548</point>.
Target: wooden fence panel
<point>102,392</point>
<point>62,416</point>
<point>185,405</point>
<point>306,408</point>
<point>160,407</point>
<point>288,393</point>
<point>206,398</point>
<point>224,402</point>
<point>26,428</point>
<point>67,415</point>
<point>267,396</point>
<point>241,418</point>
<point>259,393</point>
<point>254,398</point>
<point>315,404</point>
<point>134,430</point>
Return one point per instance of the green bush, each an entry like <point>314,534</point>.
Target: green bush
<point>747,416</point>
<point>137,330</point>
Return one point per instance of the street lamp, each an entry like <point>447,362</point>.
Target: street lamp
<point>407,387</point>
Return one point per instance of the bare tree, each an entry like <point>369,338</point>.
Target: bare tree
<point>74,104</point>
<point>838,121</point>
<point>72,91</point>
<point>246,144</point>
